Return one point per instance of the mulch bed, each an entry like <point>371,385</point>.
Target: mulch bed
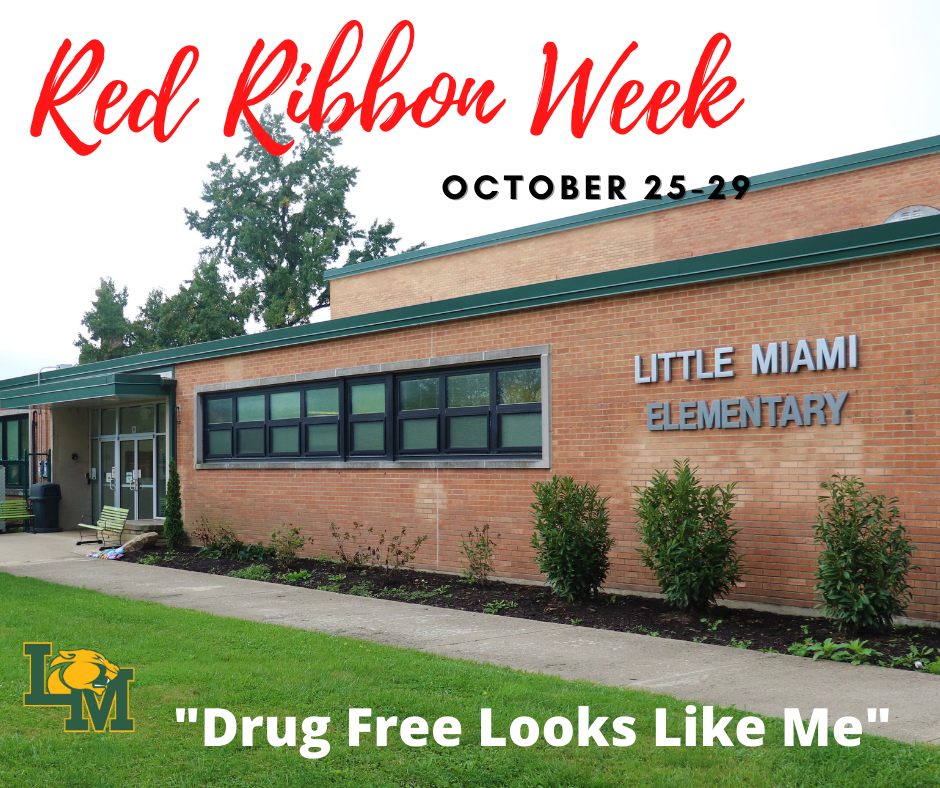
<point>720,626</point>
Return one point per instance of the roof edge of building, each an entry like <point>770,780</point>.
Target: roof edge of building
<point>805,172</point>
<point>842,246</point>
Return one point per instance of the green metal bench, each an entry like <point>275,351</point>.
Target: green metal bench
<point>112,521</point>
<point>15,510</point>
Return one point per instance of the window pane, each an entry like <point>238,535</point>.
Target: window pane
<point>520,429</point>
<point>219,411</point>
<point>285,405</point>
<point>220,442</point>
<point>520,386</point>
<point>145,462</point>
<point>161,417</point>
<point>161,474</point>
<point>468,391</point>
<point>468,432</point>
<point>420,394</point>
<point>251,408</point>
<point>285,440</point>
<point>419,434</point>
<point>368,398</point>
<point>96,473</point>
<point>95,423</point>
<point>109,422</point>
<point>130,420</point>
<point>12,449</point>
<point>368,436</point>
<point>323,437</point>
<point>250,441</point>
<point>323,402</point>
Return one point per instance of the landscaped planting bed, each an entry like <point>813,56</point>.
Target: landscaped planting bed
<point>720,626</point>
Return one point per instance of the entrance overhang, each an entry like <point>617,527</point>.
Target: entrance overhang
<point>109,387</point>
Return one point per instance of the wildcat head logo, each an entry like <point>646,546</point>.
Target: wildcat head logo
<point>94,687</point>
<point>81,670</point>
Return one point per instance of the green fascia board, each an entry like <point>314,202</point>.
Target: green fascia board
<point>848,245</point>
<point>856,161</point>
<point>90,387</point>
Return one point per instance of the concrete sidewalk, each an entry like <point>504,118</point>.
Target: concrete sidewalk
<point>760,683</point>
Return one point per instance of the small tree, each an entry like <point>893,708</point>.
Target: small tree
<point>689,542</point>
<point>862,570</point>
<point>172,510</point>
<point>478,550</point>
<point>571,538</point>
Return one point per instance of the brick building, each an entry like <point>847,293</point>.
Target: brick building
<point>773,340</point>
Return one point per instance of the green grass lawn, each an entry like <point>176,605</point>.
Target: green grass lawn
<point>185,658</point>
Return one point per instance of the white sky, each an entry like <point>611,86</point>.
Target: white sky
<point>819,80</point>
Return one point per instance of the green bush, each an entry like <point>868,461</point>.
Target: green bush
<point>689,542</point>
<point>253,572</point>
<point>173,529</point>
<point>862,570</point>
<point>571,538</point>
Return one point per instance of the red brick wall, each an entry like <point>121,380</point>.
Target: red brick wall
<point>837,202</point>
<point>888,433</point>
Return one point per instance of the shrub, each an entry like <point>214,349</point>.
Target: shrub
<point>222,542</point>
<point>571,538</point>
<point>392,555</point>
<point>208,532</point>
<point>350,552</point>
<point>173,529</point>
<point>254,572</point>
<point>862,570</point>
<point>286,544</point>
<point>689,542</point>
<point>478,550</point>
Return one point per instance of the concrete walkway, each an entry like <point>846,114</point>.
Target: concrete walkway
<point>760,683</point>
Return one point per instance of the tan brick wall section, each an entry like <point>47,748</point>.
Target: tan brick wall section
<point>888,434</point>
<point>837,202</point>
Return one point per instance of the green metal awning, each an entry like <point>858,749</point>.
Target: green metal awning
<point>108,386</point>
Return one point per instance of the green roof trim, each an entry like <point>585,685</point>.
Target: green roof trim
<point>866,242</point>
<point>856,161</point>
<point>83,388</point>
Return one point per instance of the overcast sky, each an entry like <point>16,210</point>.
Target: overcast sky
<point>819,80</point>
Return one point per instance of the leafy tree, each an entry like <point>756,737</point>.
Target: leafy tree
<point>280,221</point>
<point>205,308</point>
<point>274,225</point>
<point>378,243</point>
<point>107,326</point>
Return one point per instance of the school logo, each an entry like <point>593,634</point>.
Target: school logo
<point>93,688</point>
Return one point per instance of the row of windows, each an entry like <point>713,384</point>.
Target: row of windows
<point>130,420</point>
<point>468,412</point>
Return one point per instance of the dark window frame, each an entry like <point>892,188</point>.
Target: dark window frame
<point>339,420</point>
<point>386,417</point>
<point>20,424</point>
<point>392,419</point>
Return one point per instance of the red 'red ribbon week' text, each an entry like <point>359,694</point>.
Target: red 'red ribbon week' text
<point>260,79</point>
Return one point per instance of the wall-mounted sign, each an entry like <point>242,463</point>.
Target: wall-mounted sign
<point>773,358</point>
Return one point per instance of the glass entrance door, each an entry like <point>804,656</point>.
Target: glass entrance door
<point>136,478</point>
<point>129,460</point>
<point>107,476</point>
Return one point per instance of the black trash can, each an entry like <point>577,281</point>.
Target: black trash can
<point>45,499</point>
